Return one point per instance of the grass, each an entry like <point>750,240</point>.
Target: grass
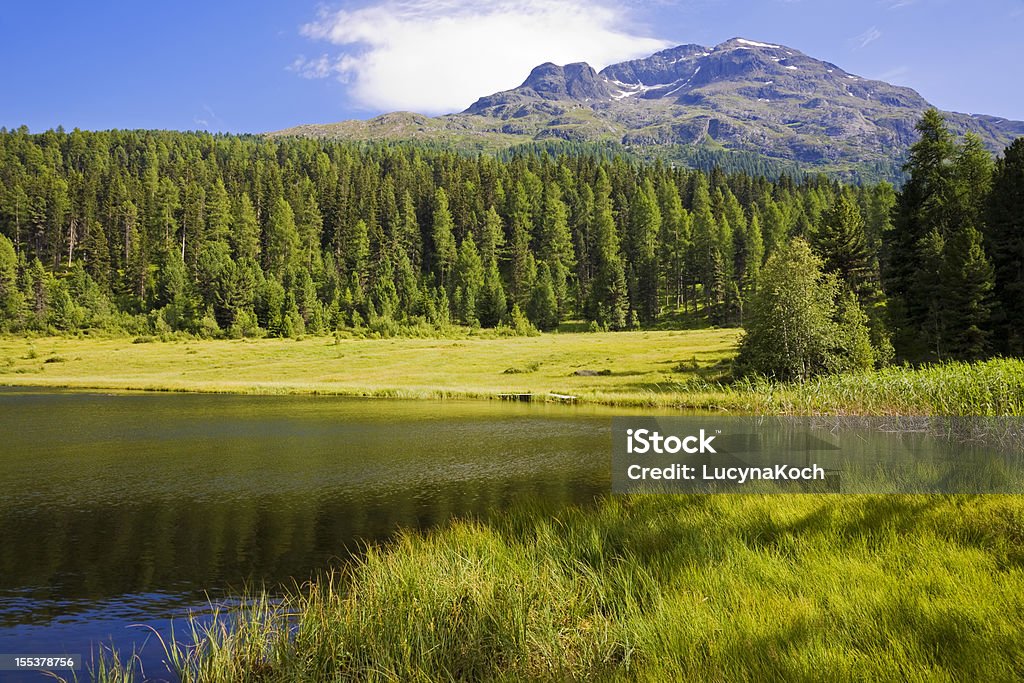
<point>649,369</point>
<point>653,588</point>
<point>644,588</point>
<point>627,367</point>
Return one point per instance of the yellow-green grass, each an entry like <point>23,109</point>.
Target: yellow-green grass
<point>619,368</point>
<point>648,369</point>
<point>656,588</point>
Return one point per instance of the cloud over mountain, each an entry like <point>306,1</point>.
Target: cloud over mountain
<point>439,55</point>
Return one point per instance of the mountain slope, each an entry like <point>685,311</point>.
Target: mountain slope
<point>740,96</point>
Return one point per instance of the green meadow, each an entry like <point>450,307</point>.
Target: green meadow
<point>682,369</point>
<point>644,588</point>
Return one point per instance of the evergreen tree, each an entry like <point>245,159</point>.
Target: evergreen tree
<point>492,305</point>
<point>469,280</point>
<point>1005,241</point>
<point>609,298</point>
<point>245,230</point>
<point>674,243</point>
<point>967,283</point>
<point>10,297</point>
<point>645,221</point>
<point>922,207</point>
<point>543,306</point>
<point>841,243</point>
<point>444,239</point>
<point>492,237</point>
<point>282,239</point>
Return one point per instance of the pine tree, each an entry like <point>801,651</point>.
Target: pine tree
<point>645,224</point>
<point>10,298</point>
<point>754,243</point>
<point>1005,242</point>
<point>492,237</point>
<point>841,243</point>
<point>409,236</point>
<point>469,280</point>
<point>444,239</point>
<point>707,257</point>
<point>245,230</point>
<point>492,305</point>
<point>554,241</point>
<point>922,206</point>
<point>967,282</point>
<point>609,298</point>
<point>674,243</point>
<point>282,239</point>
<point>542,309</point>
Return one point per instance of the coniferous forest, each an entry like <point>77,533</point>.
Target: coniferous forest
<point>157,233</point>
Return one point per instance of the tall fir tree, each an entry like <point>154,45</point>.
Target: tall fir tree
<point>1005,242</point>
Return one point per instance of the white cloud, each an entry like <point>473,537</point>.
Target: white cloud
<point>866,38</point>
<point>321,67</point>
<point>436,56</point>
<point>208,119</point>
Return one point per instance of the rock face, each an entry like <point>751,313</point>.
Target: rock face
<point>743,95</point>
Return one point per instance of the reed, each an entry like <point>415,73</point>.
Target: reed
<point>716,588</point>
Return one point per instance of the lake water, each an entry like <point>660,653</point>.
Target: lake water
<point>126,509</point>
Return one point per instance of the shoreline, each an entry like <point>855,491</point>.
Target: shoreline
<point>655,370</point>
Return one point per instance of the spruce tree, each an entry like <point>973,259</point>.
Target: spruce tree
<point>645,222</point>
<point>469,280</point>
<point>442,226</point>
<point>282,239</point>
<point>922,207</point>
<point>967,282</point>
<point>608,295</point>
<point>542,309</point>
<point>1005,242</point>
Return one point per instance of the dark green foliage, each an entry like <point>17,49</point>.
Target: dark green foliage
<point>1005,243</point>
<point>542,309</point>
<point>155,232</point>
<point>937,270</point>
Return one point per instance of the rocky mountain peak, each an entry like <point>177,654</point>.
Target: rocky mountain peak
<point>743,95</point>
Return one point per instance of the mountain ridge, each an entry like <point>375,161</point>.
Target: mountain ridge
<point>740,96</point>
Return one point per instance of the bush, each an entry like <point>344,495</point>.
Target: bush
<point>795,330</point>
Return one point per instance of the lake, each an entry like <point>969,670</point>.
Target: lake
<point>135,508</point>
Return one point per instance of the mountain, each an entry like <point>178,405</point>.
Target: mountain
<point>740,97</point>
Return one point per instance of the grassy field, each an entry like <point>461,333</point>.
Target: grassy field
<point>644,588</point>
<point>657,588</point>
<point>616,367</point>
<point>653,369</point>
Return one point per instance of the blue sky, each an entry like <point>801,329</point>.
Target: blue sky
<point>252,67</point>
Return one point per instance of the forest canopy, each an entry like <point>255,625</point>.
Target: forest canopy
<point>153,232</point>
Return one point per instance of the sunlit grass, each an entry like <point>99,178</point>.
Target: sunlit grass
<point>649,369</point>
<point>712,588</point>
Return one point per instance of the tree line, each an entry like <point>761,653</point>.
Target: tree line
<point>153,231</point>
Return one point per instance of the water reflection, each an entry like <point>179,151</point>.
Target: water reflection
<point>134,507</point>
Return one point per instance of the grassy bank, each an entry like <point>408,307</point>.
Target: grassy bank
<point>655,369</point>
<point>714,588</point>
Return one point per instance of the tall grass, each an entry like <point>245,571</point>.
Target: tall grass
<point>712,588</point>
<point>990,388</point>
